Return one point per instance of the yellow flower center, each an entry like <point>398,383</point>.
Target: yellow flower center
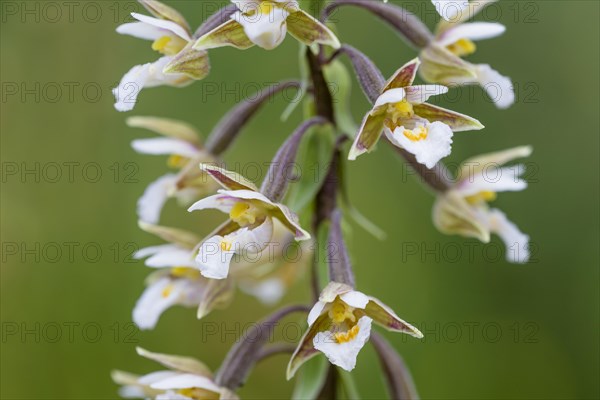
<point>168,45</point>
<point>416,135</point>
<point>226,245</point>
<point>176,161</point>
<point>266,7</point>
<point>167,291</point>
<point>244,213</point>
<point>462,47</point>
<point>399,111</point>
<point>484,196</point>
<point>340,312</point>
<point>343,337</point>
<point>185,272</point>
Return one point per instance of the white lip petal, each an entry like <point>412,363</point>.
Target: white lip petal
<point>473,31</point>
<point>163,24</point>
<point>150,205</point>
<point>140,30</point>
<point>390,97</point>
<point>507,179</point>
<point>344,354</point>
<point>153,303</point>
<point>498,87</point>
<point>264,30</point>
<point>212,260</point>
<point>162,146</point>
<point>428,151</point>
<point>516,242</point>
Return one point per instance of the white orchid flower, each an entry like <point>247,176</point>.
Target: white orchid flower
<point>250,227</point>
<point>265,23</point>
<point>454,38</point>
<point>464,209</point>
<point>171,36</point>
<point>402,112</point>
<point>185,379</point>
<point>339,325</point>
<point>181,142</point>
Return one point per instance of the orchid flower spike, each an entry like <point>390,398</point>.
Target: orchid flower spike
<point>185,379</point>
<point>265,23</point>
<point>171,36</point>
<point>409,122</point>
<point>464,210</point>
<point>454,38</point>
<point>250,225</point>
<point>339,325</point>
<point>181,142</point>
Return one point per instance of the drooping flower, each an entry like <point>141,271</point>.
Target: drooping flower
<point>250,225</point>
<point>171,36</point>
<point>464,209</point>
<point>185,379</point>
<point>339,325</point>
<point>265,23</point>
<point>177,281</point>
<point>181,142</point>
<point>454,38</point>
<point>409,122</point>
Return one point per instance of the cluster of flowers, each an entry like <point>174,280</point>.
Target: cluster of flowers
<point>203,273</point>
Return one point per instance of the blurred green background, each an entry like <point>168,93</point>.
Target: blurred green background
<point>493,330</point>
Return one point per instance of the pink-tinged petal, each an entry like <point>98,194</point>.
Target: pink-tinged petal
<point>178,363</point>
<point>405,76</point>
<point>309,30</point>
<point>230,33</point>
<point>368,136</point>
<point>217,294</point>
<point>456,121</point>
<point>421,93</point>
<point>221,202</point>
<point>306,350</point>
<point>164,24</point>
<point>228,179</point>
<point>384,316</point>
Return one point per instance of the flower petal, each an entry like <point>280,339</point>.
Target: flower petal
<point>456,121</point>
<point>167,127</point>
<point>179,363</point>
<point>140,30</point>
<point>384,316</point>
<point>344,354</point>
<point>163,146</point>
<point>186,381</point>
<point>428,151</point>
<point>189,62</point>
<point>476,164</point>
<point>355,299</point>
<point>171,256</point>
<point>217,293</point>
<point>368,136</point>
<point>421,93</point>
<point>176,236</point>
<point>315,312</point>
<point>404,76</point>
<point>493,179</point>
<point>516,242</point>
<point>222,202</point>
<point>390,96</point>
<point>450,10</point>
<point>163,11</point>
<point>454,216</point>
<point>309,30</point>
<point>333,290</point>
<point>230,33</point>
<point>228,179</point>
<point>498,87</point>
<point>164,24</point>
<point>155,196</point>
<point>472,31</point>
<point>306,350</point>
<point>264,30</point>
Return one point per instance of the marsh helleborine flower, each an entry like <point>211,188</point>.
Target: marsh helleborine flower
<point>265,23</point>
<point>171,36</point>
<point>339,325</point>
<point>464,209</point>
<point>250,227</point>
<point>181,142</point>
<point>409,122</point>
<point>185,379</point>
<point>454,38</point>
